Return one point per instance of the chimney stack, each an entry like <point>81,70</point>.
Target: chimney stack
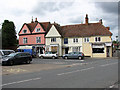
<point>108,28</point>
<point>36,20</point>
<point>100,21</point>
<point>32,20</point>
<point>86,19</point>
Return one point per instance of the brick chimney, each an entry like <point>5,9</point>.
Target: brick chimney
<point>100,21</point>
<point>86,19</point>
<point>108,28</point>
<point>32,20</point>
<point>36,20</point>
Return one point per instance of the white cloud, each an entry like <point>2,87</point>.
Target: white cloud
<point>21,11</point>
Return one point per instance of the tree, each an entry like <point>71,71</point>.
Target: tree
<point>9,37</point>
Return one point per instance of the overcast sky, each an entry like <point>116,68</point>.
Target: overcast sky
<point>62,12</point>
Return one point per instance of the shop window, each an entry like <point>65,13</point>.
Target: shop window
<point>98,50</point>
<point>65,40</point>
<point>76,49</point>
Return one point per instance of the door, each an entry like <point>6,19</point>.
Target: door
<point>108,51</point>
<point>66,50</point>
<point>41,50</point>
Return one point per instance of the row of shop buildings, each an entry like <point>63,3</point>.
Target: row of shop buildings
<point>93,39</point>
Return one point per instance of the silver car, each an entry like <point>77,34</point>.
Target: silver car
<point>78,55</point>
<point>48,55</point>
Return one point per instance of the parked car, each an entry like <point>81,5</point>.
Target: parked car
<point>78,55</point>
<point>5,52</point>
<point>15,58</point>
<point>48,55</point>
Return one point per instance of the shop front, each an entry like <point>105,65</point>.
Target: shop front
<point>101,49</point>
<point>52,48</point>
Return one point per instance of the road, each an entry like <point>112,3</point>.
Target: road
<point>89,73</point>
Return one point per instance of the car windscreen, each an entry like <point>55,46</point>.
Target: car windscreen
<point>12,54</point>
<point>7,52</point>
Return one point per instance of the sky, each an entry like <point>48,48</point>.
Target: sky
<point>63,12</point>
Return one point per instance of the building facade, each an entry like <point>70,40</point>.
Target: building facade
<point>93,39</point>
<point>32,35</point>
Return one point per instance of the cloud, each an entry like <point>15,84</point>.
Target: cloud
<point>43,8</point>
<point>108,7</point>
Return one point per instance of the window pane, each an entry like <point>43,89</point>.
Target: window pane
<point>65,40</point>
<point>76,39</point>
<point>98,38</point>
<point>98,50</point>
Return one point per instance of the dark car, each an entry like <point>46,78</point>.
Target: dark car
<point>78,55</point>
<point>16,58</point>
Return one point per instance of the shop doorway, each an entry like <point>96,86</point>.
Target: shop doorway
<point>66,50</point>
<point>108,51</point>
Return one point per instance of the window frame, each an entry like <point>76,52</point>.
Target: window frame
<point>75,40</point>
<point>65,40</point>
<point>86,39</point>
<point>53,39</point>
<point>97,39</point>
<point>25,40</point>
<point>24,30</point>
<point>38,39</point>
<point>36,30</point>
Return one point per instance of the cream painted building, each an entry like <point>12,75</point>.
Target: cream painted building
<point>93,39</point>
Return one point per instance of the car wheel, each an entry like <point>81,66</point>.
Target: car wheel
<point>11,63</point>
<point>79,58</point>
<point>66,57</point>
<point>53,57</point>
<point>41,57</point>
<point>28,61</point>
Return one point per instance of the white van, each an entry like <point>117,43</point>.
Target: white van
<point>5,52</point>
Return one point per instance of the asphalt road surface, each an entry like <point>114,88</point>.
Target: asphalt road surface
<point>88,73</point>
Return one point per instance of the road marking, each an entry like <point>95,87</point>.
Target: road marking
<point>20,81</point>
<point>75,71</point>
<point>75,60</point>
<point>112,86</point>
<point>108,64</point>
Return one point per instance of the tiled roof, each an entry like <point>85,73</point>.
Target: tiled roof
<point>84,30</point>
<point>45,25</point>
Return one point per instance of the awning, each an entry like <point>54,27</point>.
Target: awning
<point>108,44</point>
<point>24,47</point>
<point>98,46</point>
<point>53,44</point>
<point>65,47</point>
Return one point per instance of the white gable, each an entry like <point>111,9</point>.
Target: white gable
<point>53,32</point>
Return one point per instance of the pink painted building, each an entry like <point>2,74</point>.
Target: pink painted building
<point>33,34</point>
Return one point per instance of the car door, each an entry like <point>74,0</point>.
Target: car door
<point>70,55</point>
<point>75,55</point>
<point>46,54</point>
<point>17,58</point>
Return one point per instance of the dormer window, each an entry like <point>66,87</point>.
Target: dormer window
<point>24,31</point>
<point>37,30</point>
